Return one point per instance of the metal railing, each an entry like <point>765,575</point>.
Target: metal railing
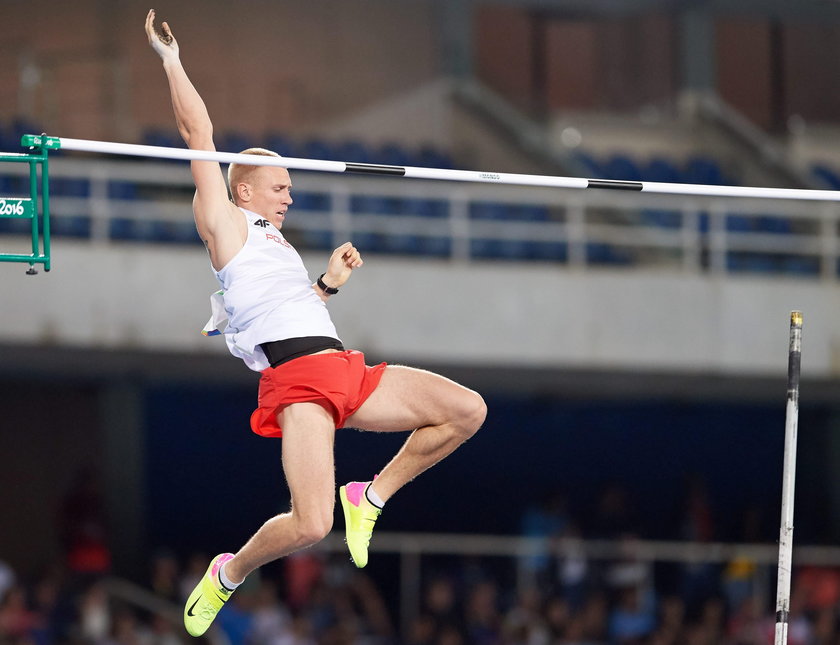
<point>466,222</point>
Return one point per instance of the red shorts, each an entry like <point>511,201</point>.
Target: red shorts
<point>339,381</point>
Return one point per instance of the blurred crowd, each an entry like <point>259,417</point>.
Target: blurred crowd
<point>558,596</point>
<point>312,598</point>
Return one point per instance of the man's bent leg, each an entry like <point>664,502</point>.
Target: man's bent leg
<point>442,414</point>
<point>308,438</point>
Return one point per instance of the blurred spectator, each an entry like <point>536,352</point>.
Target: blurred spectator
<point>621,606</point>
<point>196,567</point>
<point>95,614</point>
<point>572,570</point>
<point>16,619</point>
<point>7,578</point>
<point>440,606</point>
<point>272,620</point>
<point>544,521</point>
<point>164,575</point>
<point>82,526</point>
<point>818,588</point>
<point>303,569</point>
<point>699,580</point>
<point>483,622</point>
<point>615,514</point>
<point>126,629</point>
<point>524,623</point>
<point>633,618</point>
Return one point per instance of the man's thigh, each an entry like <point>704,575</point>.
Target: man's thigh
<point>308,461</point>
<point>408,398</point>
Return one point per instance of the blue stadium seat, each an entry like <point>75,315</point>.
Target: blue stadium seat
<point>488,210</point>
<point>177,232</point>
<point>354,151</point>
<point>236,142</point>
<point>704,170</point>
<point>122,190</point>
<point>739,223</point>
<point>69,187</point>
<point>164,138</point>
<point>373,205</point>
<point>436,246</point>
<point>281,144</point>
<point>424,207</point>
<point>311,201</point>
<point>662,218</point>
<point>826,175</point>
<point>74,226</point>
<point>551,251</point>
<point>773,224</point>
<point>404,244</point>
<point>598,253</point>
<point>623,168</point>
<point>806,266</point>
<point>430,157</point>
<point>366,241</point>
<point>14,226</point>
<point>662,170</point>
<point>392,154</point>
<point>317,240</point>
<point>737,262</point>
<point>319,149</point>
<point>529,212</point>
<point>592,167</point>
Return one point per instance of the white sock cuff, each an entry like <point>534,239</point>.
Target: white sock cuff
<point>227,583</point>
<point>372,497</point>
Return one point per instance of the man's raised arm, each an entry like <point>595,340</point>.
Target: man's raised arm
<point>216,217</point>
<point>190,112</point>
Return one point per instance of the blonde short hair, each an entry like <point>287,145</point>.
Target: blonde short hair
<point>241,173</point>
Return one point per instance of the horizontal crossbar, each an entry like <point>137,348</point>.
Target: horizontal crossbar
<point>160,152</point>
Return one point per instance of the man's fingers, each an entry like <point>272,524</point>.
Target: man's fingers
<point>150,17</point>
<point>353,258</point>
<point>166,35</point>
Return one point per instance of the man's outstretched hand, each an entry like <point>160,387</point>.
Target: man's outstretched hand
<point>162,42</point>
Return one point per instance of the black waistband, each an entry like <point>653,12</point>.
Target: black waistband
<point>282,351</point>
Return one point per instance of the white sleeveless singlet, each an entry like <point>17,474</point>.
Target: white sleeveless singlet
<point>267,295</point>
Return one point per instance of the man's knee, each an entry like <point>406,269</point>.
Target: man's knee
<point>471,414</point>
<point>313,528</point>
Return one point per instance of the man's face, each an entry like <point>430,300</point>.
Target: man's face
<point>271,194</point>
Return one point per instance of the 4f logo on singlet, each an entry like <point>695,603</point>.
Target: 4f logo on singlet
<point>262,222</point>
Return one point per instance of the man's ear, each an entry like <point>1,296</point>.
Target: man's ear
<point>243,191</point>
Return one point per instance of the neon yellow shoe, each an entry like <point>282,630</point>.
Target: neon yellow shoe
<point>208,597</point>
<point>359,517</point>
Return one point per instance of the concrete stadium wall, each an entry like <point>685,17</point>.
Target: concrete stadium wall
<point>155,298</point>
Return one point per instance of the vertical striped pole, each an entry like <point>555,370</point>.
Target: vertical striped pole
<point>788,480</point>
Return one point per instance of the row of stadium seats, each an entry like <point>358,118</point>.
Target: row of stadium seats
<point>694,170</point>
<point>357,151</point>
<point>393,154</point>
<point>125,229</point>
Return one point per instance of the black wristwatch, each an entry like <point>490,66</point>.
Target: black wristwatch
<point>330,291</point>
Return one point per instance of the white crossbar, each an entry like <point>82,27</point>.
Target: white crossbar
<point>104,147</point>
